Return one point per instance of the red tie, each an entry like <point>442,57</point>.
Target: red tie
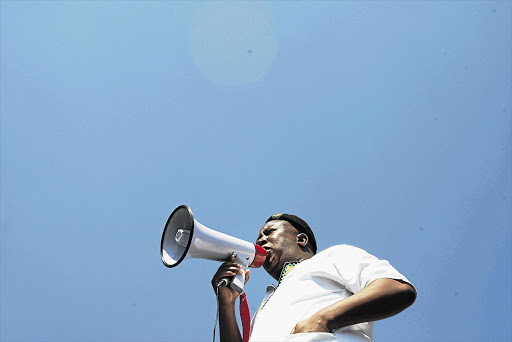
<point>245,316</point>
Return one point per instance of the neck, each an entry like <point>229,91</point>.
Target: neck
<point>276,273</point>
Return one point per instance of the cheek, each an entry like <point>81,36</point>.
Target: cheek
<point>282,240</point>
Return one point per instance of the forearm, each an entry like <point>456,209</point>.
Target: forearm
<point>382,298</point>
<point>226,298</point>
<point>228,326</point>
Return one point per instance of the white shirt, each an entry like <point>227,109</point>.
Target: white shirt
<point>326,278</point>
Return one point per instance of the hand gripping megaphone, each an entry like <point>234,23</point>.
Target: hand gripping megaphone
<point>183,237</point>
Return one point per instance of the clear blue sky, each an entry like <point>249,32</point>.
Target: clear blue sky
<point>385,125</point>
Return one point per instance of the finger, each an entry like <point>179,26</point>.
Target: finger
<point>226,271</point>
<point>228,268</point>
<point>228,274</point>
<point>228,264</point>
<point>235,269</point>
<point>247,273</point>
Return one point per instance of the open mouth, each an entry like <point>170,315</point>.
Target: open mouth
<point>269,252</point>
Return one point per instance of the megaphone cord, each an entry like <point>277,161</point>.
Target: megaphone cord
<point>217,315</point>
<point>245,316</point>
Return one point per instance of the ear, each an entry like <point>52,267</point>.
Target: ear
<point>302,239</point>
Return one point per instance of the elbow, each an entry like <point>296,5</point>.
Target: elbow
<point>408,294</point>
<point>395,296</point>
<point>402,294</point>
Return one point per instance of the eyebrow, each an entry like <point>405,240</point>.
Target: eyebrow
<point>266,230</point>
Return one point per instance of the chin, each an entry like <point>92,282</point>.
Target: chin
<point>269,265</point>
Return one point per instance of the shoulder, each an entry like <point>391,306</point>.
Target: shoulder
<point>345,254</point>
<point>341,249</point>
<point>338,252</point>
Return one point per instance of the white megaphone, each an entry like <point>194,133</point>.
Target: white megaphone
<point>183,237</point>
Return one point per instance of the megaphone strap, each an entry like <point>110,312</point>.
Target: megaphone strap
<point>245,317</point>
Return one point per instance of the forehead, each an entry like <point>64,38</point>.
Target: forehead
<point>277,224</point>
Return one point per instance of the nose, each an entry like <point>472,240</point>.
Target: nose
<point>261,241</point>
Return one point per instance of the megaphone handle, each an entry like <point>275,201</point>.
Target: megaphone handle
<point>236,282</point>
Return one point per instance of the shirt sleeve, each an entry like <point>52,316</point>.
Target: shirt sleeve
<point>356,268</point>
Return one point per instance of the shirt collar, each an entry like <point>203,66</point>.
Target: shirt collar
<point>287,268</point>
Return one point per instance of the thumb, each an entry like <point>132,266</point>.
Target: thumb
<point>247,273</point>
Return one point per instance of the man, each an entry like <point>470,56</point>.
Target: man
<point>334,295</point>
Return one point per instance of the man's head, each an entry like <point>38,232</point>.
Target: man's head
<point>286,238</point>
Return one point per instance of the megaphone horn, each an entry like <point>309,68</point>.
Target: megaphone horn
<point>183,237</point>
